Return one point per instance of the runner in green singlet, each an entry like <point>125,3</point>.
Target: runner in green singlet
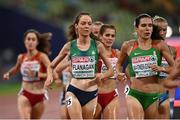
<point>143,94</point>
<point>81,96</point>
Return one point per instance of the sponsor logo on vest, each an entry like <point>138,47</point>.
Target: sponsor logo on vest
<point>137,53</point>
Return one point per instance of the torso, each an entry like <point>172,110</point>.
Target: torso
<point>83,66</point>
<point>32,84</point>
<point>142,77</point>
<point>109,84</point>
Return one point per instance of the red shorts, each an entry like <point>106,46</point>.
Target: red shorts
<point>33,98</point>
<point>105,98</point>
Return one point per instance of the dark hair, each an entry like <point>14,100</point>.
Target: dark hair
<point>32,31</point>
<point>139,17</point>
<point>44,44</point>
<point>43,40</point>
<point>72,33</point>
<point>106,26</point>
<point>155,34</point>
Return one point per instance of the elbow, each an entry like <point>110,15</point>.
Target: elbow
<point>166,84</point>
<point>169,83</point>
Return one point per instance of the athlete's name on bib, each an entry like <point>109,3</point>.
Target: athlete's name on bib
<point>82,67</point>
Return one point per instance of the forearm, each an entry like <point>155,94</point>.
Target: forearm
<point>12,71</point>
<point>170,83</point>
<point>173,75</point>
<point>42,75</point>
<point>121,76</point>
<point>50,71</point>
<point>119,68</point>
<point>55,75</point>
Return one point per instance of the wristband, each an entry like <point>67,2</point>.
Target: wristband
<point>36,74</point>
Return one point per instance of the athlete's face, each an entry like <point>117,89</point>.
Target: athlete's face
<point>95,29</point>
<point>162,29</point>
<point>31,41</point>
<point>84,25</point>
<point>144,30</point>
<point>108,37</point>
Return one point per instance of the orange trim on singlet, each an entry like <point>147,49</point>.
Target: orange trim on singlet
<point>113,53</point>
<point>35,57</point>
<point>176,103</point>
<point>136,45</point>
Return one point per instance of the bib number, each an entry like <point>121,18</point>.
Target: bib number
<point>69,101</point>
<point>126,89</point>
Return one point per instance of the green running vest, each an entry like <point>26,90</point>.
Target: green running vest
<point>139,61</point>
<point>84,63</point>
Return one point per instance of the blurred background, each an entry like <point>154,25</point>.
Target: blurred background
<point>16,16</point>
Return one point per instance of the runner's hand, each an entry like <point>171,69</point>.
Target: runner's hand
<point>58,82</point>
<point>48,82</point>
<point>156,68</point>
<point>32,73</point>
<point>98,78</point>
<point>6,76</point>
<point>122,77</point>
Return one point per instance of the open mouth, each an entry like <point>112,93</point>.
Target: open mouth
<point>86,30</point>
<point>147,34</point>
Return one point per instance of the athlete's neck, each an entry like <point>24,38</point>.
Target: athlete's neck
<point>32,52</point>
<point>108,51</point>
<point>108,48</point>
<point>144,44</point>
<point>83,43</point>
<point>83,40</point>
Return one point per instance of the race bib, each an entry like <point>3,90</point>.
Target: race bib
<point>29,65</point>
<point>141,65</point>
<point>164,63</point>
<point>83,67</point>
<point>113,63</point>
